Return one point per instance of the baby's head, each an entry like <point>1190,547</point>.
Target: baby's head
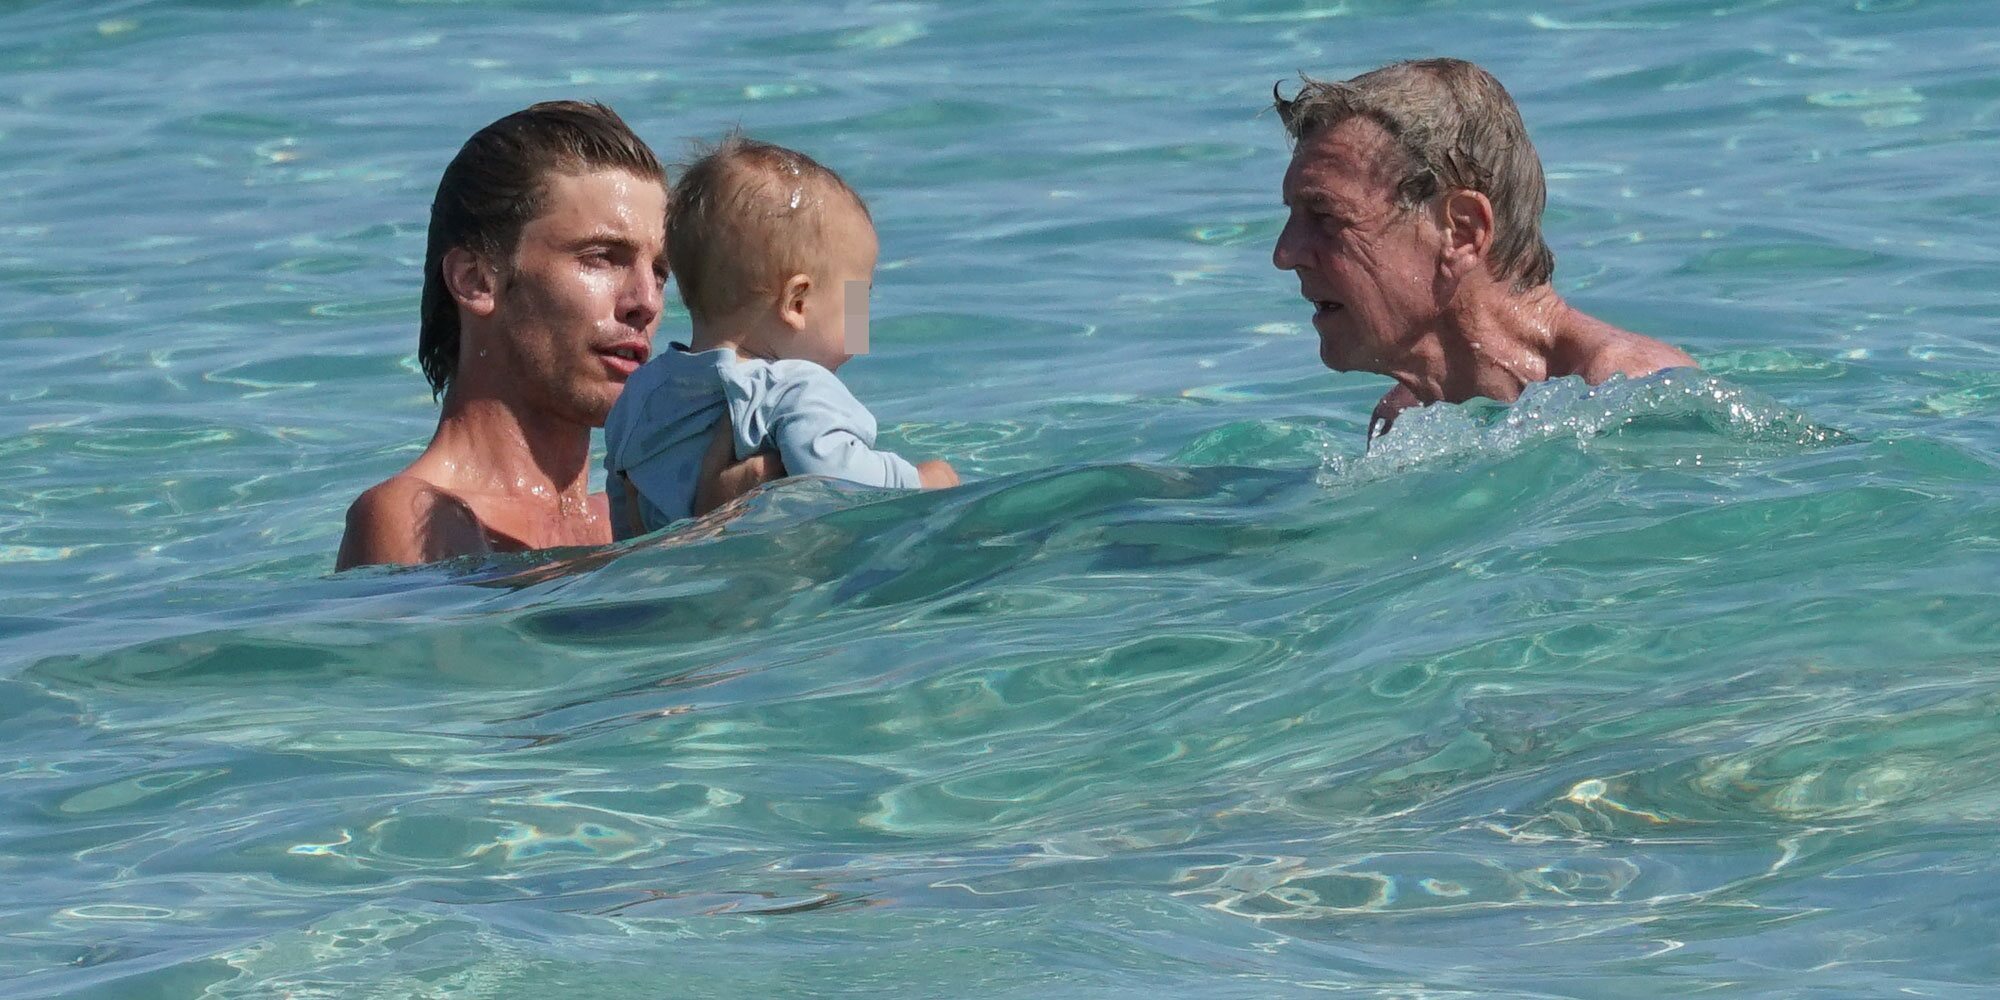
<point>773,253</point>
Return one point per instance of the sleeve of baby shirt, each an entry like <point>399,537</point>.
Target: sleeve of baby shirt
<point>820,429</point>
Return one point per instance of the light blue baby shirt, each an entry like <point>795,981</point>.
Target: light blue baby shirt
<point>661,425</point>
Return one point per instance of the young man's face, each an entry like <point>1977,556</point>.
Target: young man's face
<point>580,299</point>
<point>845,273</point>
<point>1368,266</point>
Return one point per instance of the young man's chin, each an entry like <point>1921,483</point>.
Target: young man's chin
<point>588,408</point>
<point>602,412</point>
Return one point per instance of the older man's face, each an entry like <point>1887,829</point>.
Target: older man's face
<point>1368,266</point>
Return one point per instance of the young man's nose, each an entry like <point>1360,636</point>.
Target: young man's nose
<point>643,299</point>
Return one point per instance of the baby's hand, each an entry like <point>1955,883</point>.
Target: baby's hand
<point>936,474</point>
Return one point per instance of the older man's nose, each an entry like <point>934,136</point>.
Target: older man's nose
<point>1281,252</point>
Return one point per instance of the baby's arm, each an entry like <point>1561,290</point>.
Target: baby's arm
<point>830,450</point>
<point>821,429</point>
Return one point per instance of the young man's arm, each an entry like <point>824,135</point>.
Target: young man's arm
<point>404,521</point>
<point>723,479</point>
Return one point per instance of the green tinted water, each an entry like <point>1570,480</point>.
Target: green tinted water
<point>1670,686</point>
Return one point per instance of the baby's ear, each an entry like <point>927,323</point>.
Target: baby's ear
<point>792,300</point>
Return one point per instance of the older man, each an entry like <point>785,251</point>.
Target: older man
<point>542,289</point>
<point>1415,231</point>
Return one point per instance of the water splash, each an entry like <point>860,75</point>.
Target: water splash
<point>1681,415</point>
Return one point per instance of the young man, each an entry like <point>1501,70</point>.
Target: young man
<point>1415,231</point>
<point>542,287</point>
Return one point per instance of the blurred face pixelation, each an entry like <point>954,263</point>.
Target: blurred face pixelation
<point>581,296</point>
<point>837,317</point>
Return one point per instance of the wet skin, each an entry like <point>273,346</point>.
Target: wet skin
<point>548,335</point>
<point>1408,291</point>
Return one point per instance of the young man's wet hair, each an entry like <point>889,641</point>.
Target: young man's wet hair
<point>496,185</point>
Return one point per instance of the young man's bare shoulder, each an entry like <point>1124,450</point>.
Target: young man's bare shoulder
<point>404,492</point>
<point>407,519</point>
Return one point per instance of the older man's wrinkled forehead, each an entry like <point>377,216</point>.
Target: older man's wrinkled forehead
<point>1341,160</point>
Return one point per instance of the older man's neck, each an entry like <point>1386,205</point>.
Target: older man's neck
<point>1496,348</point>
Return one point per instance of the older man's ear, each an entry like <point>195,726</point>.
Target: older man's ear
<point>1466,220</point>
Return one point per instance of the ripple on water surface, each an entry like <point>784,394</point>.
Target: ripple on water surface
<point>1672,685</point>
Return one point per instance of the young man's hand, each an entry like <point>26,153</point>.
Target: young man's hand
<point>722,480</point>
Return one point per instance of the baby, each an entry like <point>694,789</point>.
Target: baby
<point>774,255</point>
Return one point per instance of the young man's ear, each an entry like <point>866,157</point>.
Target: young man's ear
<point>1466,219</point>
<point>792,300</point>
<point>473,282</point>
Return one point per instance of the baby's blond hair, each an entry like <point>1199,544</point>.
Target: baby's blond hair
<point>746,216</point>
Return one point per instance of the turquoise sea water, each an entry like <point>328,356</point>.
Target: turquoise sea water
<point>1670,688</point>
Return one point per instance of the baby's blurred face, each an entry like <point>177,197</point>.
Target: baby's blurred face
<point>838,303</point>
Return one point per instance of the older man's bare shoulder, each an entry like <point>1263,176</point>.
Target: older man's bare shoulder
<point>1637,354</point>
<point>408,519</point>
<point>1608,350</point>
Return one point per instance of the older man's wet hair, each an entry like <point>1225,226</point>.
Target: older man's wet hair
<point>1460,130</point>
<point>496,185</point>
<point>746,217</point>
